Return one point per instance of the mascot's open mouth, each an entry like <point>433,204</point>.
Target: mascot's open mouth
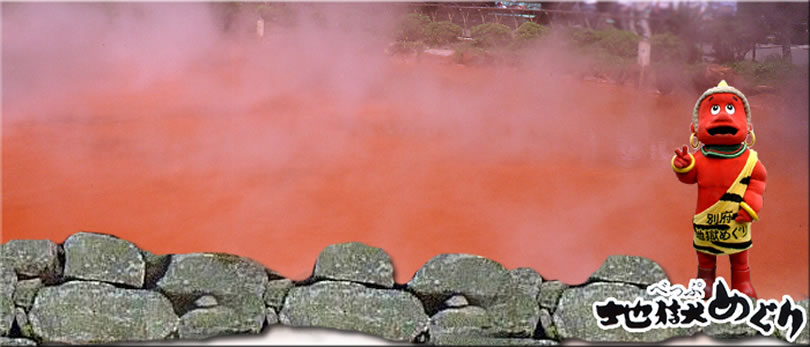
<point>722,130</point>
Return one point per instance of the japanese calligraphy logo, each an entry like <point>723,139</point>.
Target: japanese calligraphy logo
<point>678,307</point>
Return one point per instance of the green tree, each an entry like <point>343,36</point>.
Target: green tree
<point>529,31</point>
<point>732,36</point>
<point>412,27</point>
<point>440,33</point>
<point>491,34</point>
<point>667,48</point>
<point>781,19</point>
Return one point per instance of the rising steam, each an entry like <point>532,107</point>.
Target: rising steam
<point>152,122</point>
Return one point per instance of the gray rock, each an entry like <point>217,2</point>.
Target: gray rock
<point>206,301</point>
<point>80,312</point>
<point>392,314</point>
<point>217,321</point>
<point>461,340</point>
<point>23,323</point>
<point>105,258</point>
<point>26,291</point>
<point>477,278</point>
<point>514,314</point>
<point>272,316</point>
<point>526,280</point>
<point>728,331</point>
<point>456,301</point>
<point>273,275</point>
<point>236,282</point>
<point>276,291</point>
<point>357,262</point>
<point>32,258</point>
<point>547,325</point>
<point>8,281</point>
<point>550,292</point>
<point>156,265</point>
<point>6,341</point>
<point>213,273</point>
<point>574,317</point>
<point>467,321</point>
<point>629,269</point>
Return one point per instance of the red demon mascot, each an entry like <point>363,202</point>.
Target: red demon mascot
<point>731,182</point>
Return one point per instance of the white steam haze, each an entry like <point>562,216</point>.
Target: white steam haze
<point>152,122</point>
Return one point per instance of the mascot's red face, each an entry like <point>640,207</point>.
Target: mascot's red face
<point>721,120</point>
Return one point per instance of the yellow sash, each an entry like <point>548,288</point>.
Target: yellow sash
<point>715,230</point>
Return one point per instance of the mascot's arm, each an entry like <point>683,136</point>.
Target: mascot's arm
<point>753,195</point>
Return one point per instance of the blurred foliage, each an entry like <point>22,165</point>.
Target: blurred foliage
<point>582,36</point>
<point>669,57</point>
<point>441,33</point>
<point>231,15</point>
<point>527,33</point>
<point>686,23</point>
<point>226,13</point>
<point>667,48</point>
<point>280,13</point>
<point>609,53</point>
<point>732,38</point>
<point>779,22</point>
<point>411,27</point>
<point>617,68</point>
<point>491,35</point>
<point>406,47</point>
<point>772,71</point>
<point>620,43</point>
<point>469,52</point>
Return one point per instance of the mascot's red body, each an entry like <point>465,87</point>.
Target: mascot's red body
<point>731,183</point>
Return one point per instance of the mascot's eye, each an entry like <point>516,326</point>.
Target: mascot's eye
<point>730,109</point>
<point>716,109</point>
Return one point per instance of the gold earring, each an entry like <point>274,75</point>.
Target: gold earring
<point>693,141</point>
<point>753,138</point>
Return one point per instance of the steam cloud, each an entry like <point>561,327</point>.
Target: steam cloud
<point>151,122</point>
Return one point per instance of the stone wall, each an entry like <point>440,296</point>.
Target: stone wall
<point>97,288</point>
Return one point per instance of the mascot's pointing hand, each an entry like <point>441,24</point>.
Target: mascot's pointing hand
<point>682,158</point>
